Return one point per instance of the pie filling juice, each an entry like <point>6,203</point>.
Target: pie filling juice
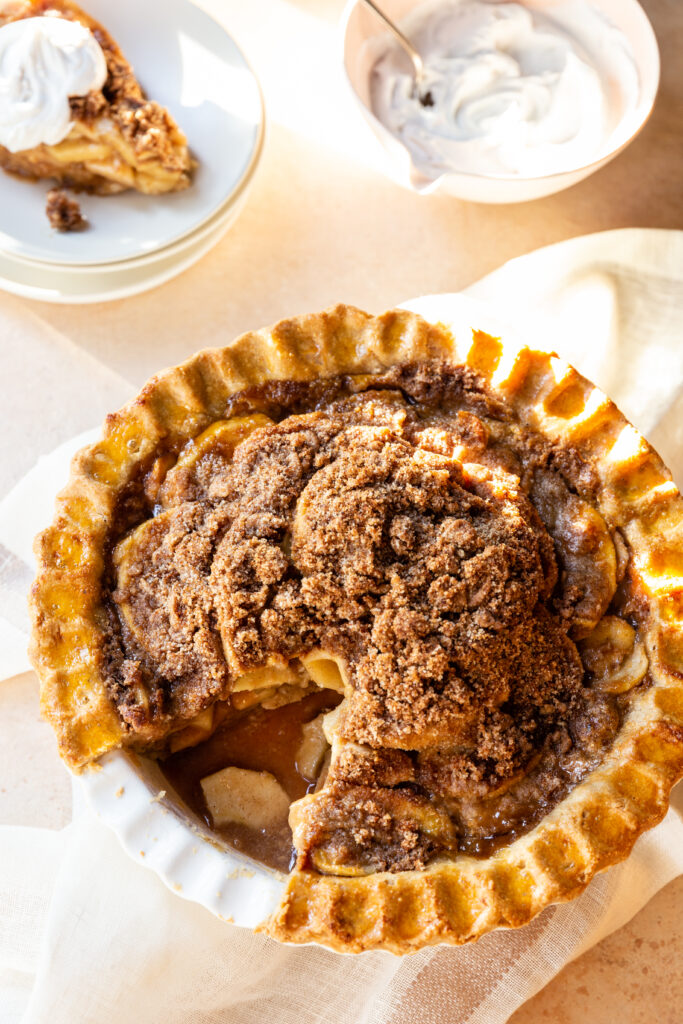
<point>258,740</point>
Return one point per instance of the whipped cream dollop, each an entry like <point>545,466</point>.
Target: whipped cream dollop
<point>44,61</point>
<point>507,89</point>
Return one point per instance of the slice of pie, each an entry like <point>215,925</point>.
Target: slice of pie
<point>401,606</point>
<point>118,138</point>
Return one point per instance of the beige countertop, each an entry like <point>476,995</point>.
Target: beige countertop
<point>322,226</point>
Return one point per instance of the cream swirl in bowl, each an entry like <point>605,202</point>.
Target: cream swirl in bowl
<point>44,61</point>
<point>508,89</point>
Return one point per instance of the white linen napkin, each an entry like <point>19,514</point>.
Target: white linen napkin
<point>86,935</point>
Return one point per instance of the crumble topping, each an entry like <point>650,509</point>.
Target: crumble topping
<point>63,212</point>
<point>444,555</point>
<point>145,124</point>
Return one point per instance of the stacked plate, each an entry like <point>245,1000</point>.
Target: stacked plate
<point>191,65</point>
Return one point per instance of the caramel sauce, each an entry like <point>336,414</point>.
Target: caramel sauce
<point>259,740</point>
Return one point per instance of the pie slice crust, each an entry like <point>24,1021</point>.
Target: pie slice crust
<point>118,139</point>
<point>451,900</point>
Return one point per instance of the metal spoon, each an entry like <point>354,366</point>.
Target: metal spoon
<point>417,62</point>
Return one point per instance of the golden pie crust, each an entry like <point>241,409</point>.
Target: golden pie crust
<point>450,900</point>
<point>118,139</point>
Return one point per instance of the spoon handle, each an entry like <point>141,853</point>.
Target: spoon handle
<point>405,43</point>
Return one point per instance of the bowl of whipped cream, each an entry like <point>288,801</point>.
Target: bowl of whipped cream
<point>518,99</point>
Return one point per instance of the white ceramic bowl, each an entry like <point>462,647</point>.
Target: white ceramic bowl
<point>363,33</point>
<point>157,830</point>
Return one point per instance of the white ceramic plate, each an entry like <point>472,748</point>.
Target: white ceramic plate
<point>51,283</point>
<point>224,213</point>
<point>188,62</point>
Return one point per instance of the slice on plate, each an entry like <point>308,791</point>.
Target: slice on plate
<point>116,138</point>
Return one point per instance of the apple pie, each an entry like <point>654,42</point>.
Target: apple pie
<point>399,612</point>
<point>118,138</point>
